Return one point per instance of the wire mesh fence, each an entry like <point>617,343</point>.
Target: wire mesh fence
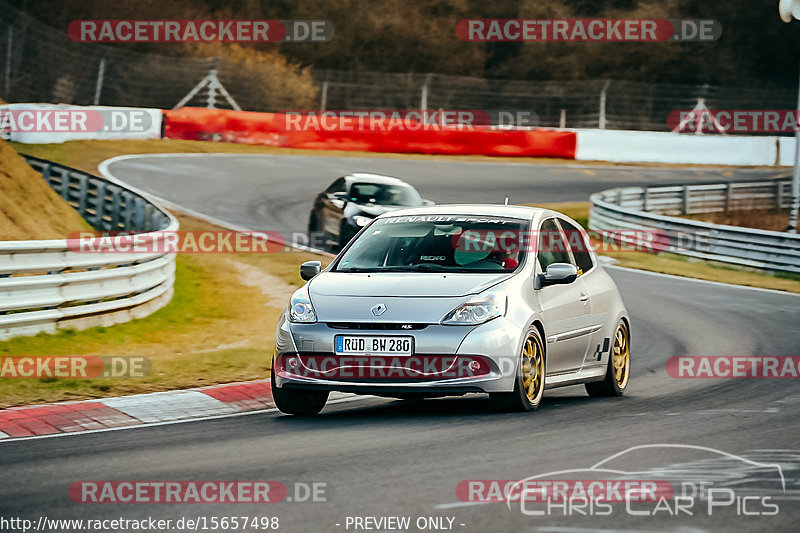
<point>39,64</point>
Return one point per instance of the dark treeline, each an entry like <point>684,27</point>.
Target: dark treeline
<point>756,49</point>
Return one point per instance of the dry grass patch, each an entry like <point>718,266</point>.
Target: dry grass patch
<point>29,208</point>
<point>768,219</point>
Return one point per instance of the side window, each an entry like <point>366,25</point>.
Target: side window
<point>337,186</point>
<point>552,248</point>
<point>576,239</point>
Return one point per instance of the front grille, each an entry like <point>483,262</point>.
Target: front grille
<point>399,326</point>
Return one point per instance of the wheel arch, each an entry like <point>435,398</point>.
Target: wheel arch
<point>625,319</point>
<point>540,328</point>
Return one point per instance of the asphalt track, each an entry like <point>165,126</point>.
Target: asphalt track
<point>382,457</point>
<point>276,193</point>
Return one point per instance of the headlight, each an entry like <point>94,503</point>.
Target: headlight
<point>361,221</point>
<point>300,308</point>
<point>477,310</point>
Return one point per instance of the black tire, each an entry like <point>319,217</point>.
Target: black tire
<point>345,234</point>
<point>313,225</point>
<point>614,384</point>
<point>519,399</point>
<point>298,402</point>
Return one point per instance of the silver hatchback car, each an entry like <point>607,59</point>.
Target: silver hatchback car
<point>449,300</point>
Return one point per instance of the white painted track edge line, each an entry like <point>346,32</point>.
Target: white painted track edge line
<point>698,280</point>
<point>163,202</point>
<point>591,164</point>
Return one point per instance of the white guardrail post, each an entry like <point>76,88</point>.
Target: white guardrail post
<point>654,208</point>
<point>46,285</point>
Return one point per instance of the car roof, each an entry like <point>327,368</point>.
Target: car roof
<point>357,177</point>
<point>498,210</point>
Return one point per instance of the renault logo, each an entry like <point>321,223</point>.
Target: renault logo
<point>379,309</point>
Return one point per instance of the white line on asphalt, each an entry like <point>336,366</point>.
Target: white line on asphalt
<point>696,280</point>
<point>561,529</point>
<point>492,161</point>
<point>456,505</point>
<point>163,202</point>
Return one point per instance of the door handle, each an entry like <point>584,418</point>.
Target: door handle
<point>584,297</point>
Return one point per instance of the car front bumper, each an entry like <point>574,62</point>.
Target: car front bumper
<point>445,359</point>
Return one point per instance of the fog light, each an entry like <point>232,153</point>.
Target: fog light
<point>293,362</point>
<point>475,365</point>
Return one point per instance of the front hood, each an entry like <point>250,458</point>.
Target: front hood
<point>407,297</point>
<point>400,284</point>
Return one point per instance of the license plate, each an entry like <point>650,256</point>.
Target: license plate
<point>367,345</point>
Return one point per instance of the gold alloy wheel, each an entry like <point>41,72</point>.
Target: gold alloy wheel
<point>622,356</point>
<point>532,367</point>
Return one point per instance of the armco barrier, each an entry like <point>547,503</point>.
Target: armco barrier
<point>269,129</point>
<point>634,208</point>
<point>659,147</point>
<point>786,147</point>
<point>63,288</point>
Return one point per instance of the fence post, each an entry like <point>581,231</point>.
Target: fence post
<point>324,102</point>
<point>8,63</point>
<point>423,104</point>
<point>46,174</point>
<point>101,70</point>
<point>645,194</point>
<point>562,122</point>
<point>83,185</point>
<point>99,206</point>
<point>728,196</point>
<point>778,195</point>
<point>65,179</point>
<point>603,94</point>
<point>685,200</point>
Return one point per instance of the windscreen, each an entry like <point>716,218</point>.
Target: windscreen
<point>384,194</point>
<point>437,244</point>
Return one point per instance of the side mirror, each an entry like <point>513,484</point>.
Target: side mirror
<point>309,269</point>
<point>426,202</point>
<point>338,199</point>
<point>558,274</point>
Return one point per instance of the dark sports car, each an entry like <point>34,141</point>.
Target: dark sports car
<point>352,201</point>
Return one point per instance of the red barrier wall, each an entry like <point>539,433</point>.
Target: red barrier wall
<point>270,129</point>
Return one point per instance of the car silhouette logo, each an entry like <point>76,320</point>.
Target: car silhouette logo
<point>379,309</point>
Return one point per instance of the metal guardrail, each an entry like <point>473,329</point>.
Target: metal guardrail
<point>650,208</point>
<point>47,285</point>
